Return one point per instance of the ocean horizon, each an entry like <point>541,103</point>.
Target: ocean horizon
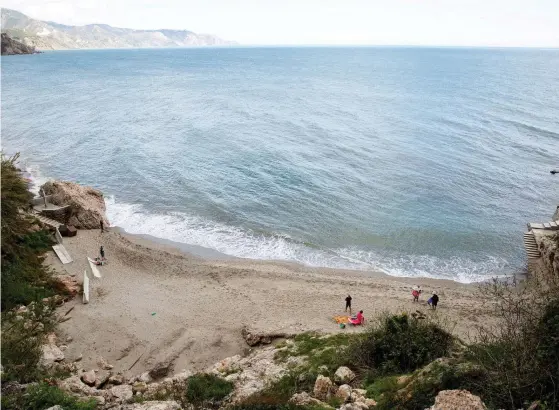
<point>412,161</point>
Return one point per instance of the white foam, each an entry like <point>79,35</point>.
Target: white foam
<point>234,241</point>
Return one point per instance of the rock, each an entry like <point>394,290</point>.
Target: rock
<point>360,392</point>
<point>367,402</point>
<point>144,377</point>
<point>89,378</point>
<point>354,406</point>
<point>50,354</point>
<point>254,339</point>
<point>344,375</point>
<point>73,384</point>
<point>86,205</point>
<point>344,392</point>
<point>116,379</point>
<point>69,339</point>
<point>322,369</point>
<point>152,405</point>
<point>104,365</point>
<point>139,387</point>
<point>102,378</point>
<point>77,359</point>
<point>69,285</point>
<point>160,370</point>
<point>457,400</point>
<point>12,47</point>
<point>304,399</point>
<point>57,407</point>
<point>403,380</point>
<point>323,387</point>
<point>12,388</point>
<point>123,392</point>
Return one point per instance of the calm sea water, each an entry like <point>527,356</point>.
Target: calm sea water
<point>412,161</point>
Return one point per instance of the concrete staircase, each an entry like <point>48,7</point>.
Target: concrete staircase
<point>531,246</point>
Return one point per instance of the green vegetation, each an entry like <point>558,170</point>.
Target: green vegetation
<point>204,388</point>
<point>42,396</point>
<point>24,278</point>
<point>400,344</point>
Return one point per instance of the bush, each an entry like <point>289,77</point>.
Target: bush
<point>42,396</point>
<point>22,337</point>
<point>202,388</point>
<point>520,354</point>
<point>400,344</point>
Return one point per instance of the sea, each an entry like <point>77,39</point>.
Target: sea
<point>415,162</point>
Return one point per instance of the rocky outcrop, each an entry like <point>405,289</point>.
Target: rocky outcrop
<point>255,339</point>
<point>549,269</point>
<point>13,47</point>
<point>457,400</point>
<point>86,206</point>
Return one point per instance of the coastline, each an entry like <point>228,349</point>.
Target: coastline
<point>161,302</point>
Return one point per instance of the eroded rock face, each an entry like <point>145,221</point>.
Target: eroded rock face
<point>86,205</point>
<point>457,400</point>
<point>304,399</point>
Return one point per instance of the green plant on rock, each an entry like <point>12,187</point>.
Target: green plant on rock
<point>204,388</point>
<point>42,396</point>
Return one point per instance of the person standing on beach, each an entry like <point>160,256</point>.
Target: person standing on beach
<point>348,304</point>
<point>102,226</point>
<point>102,252</point>
<point>433,301</point>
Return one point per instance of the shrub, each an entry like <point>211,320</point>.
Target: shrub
<point>42,396</point>
<point>22,337</point>
<point>202,388</point>
<point>400,344</point>
<point>520,354</point>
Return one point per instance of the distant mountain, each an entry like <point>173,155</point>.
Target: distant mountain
<point>46,35</point>
<point>11,46</point>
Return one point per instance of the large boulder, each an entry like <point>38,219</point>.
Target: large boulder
<point>323,388</point>
<point>344,392</point>
<point>457,400</point>
<point>89,378</point>
<point>122,393</point>
<point>86,204</point>
<point>344,375</point>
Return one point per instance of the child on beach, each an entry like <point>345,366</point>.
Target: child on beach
<point>348,304</point>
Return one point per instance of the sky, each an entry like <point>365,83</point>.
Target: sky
<point>501,23</point>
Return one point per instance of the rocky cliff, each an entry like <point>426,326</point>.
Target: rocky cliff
<point>86,204</point>
<point>47,35</point>
<point>12,47</point>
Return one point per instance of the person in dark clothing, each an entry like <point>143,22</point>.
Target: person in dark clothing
<point>433,301</point>
<point>102,226</point>
<point>102,252</point>
<point>348,304</point>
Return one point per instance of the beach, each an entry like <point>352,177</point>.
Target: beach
<point>157,303</point>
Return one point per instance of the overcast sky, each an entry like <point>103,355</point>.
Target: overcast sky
<point>364,22</point>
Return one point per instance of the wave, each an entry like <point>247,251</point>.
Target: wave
<point>245,243</point>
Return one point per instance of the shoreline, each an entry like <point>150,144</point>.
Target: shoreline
<point>157,303</point>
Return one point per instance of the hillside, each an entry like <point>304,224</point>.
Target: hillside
<point>12,47</point>
<point>46,35</point>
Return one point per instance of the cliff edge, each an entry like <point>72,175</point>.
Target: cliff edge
<point>13,47</point>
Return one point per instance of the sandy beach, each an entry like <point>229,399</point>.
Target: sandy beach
<point>157,303</point>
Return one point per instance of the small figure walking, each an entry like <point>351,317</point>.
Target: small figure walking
<point>102,253</point>
<point>433,301</point>
<point>348,304</point>
<point>102,226</point>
